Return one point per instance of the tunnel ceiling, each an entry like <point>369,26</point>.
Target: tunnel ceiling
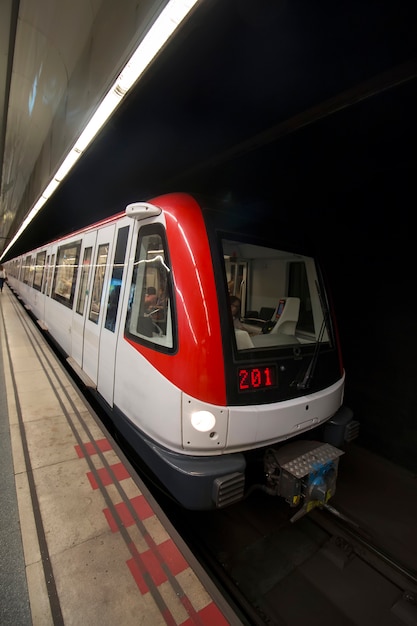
<point>297,103</point>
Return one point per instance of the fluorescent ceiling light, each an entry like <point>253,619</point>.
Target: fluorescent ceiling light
<point>50,188</point>
<point>101,115</point>
<point>161,30</point>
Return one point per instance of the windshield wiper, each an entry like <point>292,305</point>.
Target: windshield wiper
<point>309,372</point>
<point>308,376</point>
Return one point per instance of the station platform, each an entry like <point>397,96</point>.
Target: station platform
<point>82,541</point>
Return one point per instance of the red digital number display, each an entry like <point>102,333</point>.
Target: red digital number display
<point>253,378</point>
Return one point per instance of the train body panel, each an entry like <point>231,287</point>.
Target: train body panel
<point>94,339</point>
<point>78,323</point>
<point>151,402</point>
<point>141,303</point>
<point>111,331</point>
<point>261,425</point>
<point>199,337</point>
<point>59,325</point>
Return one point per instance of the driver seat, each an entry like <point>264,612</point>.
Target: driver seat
<point>288,319</point>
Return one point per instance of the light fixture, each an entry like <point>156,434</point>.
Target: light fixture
<point>157,36</point>
<point>203,421</point>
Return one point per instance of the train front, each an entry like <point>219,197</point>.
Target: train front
<point>256,360</point>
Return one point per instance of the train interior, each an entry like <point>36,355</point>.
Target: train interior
<point>281,301</point>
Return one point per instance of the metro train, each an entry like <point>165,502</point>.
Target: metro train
<point>216,405</point>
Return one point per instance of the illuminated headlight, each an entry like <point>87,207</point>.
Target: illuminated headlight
<point>203,421</point>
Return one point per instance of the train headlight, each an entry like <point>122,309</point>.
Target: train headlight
<point>203,421</point>
<point>203,425</point>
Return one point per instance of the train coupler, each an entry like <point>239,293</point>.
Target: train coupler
<point>304,473</point>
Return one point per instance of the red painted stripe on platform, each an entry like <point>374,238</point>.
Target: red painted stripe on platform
<point>193,615</point>
<point>149,563</point>
<point>103,445</point>
<point>135,570</point>
<point>118,469</point>
<point>141,507</point>
<point>139,572</point>
<point>153,564</point>
<point>168,617</point>
<point>171,556</point>
<point>209,616</point>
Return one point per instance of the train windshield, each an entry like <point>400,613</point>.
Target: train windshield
<point>274,297</point>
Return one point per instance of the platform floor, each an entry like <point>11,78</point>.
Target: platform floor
<point>81,539</point>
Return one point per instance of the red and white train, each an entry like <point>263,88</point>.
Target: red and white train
<point>140,305</point>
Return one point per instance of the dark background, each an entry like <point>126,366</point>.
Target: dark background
<point>308,109</point>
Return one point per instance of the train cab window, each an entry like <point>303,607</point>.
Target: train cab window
<point>82,289</point>
<point>39,270</point>
<point>66,270</point>
<point>283,287</point>
<point>149,321</point>
<point>98,284</point>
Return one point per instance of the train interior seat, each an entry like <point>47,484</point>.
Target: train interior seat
<point>257,320</point>
<point>266,313</point>
<point>287,311</point>
<point>243,340</point>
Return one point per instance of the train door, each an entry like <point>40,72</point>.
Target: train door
<point>49,278</point>
<point>95,302</point>
<point>111,314</point>
<point>79,313</point>
<point>38,279</point>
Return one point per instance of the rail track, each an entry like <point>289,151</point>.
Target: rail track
<point>324,569</point>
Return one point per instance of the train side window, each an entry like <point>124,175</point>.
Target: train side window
<point>116,279</point>
<point>49,272</point>
<point>66,273</point>
<point>31,271</point>
<point>26,270</point>
<point>20,270</point>
<point>151,325</point>
<point>46,272</point>
<point>98,284</point>
<point>39,270</point>
<point>85,272</point>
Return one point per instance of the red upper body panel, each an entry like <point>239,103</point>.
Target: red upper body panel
<point>197,368</point>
